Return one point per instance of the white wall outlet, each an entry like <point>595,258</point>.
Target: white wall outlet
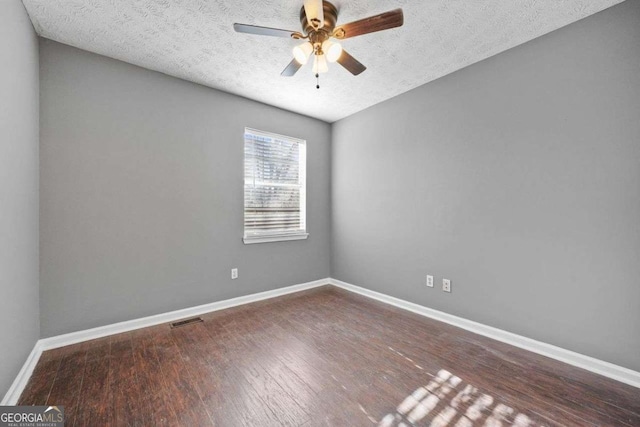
<point>446,285</point>
<point>429,281</point>
<point>234,273</point>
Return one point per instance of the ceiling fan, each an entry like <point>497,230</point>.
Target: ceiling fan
<point>318,19</point>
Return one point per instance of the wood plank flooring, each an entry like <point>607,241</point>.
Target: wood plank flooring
<point>324,357</point>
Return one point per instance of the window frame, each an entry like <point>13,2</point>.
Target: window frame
<point>268,237</point>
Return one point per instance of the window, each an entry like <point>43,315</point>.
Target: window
<point>274,187</point>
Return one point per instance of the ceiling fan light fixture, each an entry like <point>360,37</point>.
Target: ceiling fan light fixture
<point>301,52</point>
<point>320,64</point>
<point>332,50</point>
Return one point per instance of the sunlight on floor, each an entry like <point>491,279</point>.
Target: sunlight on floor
<point>463,408</point>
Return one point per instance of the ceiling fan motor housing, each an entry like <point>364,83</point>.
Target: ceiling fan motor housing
<point>318,36</point>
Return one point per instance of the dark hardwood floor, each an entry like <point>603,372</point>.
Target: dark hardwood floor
<point>320,357</point>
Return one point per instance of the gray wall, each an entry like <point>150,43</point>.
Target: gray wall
<point>142,194</point>
<point>19,321</point>
<point>518,178</point>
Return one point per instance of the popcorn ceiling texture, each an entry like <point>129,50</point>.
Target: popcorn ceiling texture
<point>194,40</point>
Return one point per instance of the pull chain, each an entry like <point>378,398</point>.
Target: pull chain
<point>317,81</point>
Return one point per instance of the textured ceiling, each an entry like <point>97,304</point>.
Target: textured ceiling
<point>194,40</point>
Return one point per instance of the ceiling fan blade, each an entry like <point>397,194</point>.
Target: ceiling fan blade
<point>315,13</point>
<point>291,69</point>
<point>265,31</point>
<point>350,63</point>
<point>384,21</point>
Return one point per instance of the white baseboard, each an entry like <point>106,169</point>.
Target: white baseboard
<point>597,366</point>
<point>172,316</point>
<point>14,392</point>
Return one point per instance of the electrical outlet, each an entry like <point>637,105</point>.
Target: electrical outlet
<point>446,285</point>
<point>234,273</point>
<point>429,281</point>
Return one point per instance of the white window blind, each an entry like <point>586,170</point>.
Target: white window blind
<point>274,187</point>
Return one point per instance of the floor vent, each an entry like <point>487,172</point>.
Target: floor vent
<point>186,322</point>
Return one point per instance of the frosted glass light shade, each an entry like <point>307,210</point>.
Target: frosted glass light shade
<point>320,64</point>
<point>301,52</point>
<point>332,50</point>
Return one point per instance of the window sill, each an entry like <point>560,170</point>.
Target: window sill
<point>269,239</point>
